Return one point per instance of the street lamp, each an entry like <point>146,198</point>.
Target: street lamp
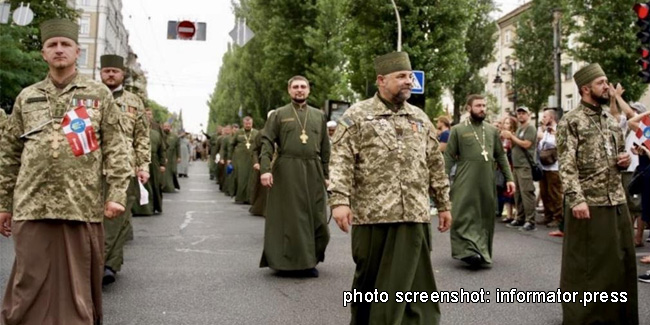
<point>513,71</point>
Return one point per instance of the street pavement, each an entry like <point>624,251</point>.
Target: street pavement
<point>198,263</point>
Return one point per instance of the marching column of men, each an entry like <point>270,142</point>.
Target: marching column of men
<point>75,155</point>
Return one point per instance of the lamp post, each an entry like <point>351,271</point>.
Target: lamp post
<point>513,71</point>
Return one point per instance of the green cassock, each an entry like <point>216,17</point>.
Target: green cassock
<point>221,168</point>
<point>229,179</point>
<point>153,186</point>
<point>473,192</point>
<point>214,149</point>
<point>295,231</point>
<point>170,178</point>
<point>258,192</point>
<point>241,151</point>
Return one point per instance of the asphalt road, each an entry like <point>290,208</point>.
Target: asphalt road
<point>197,263</point>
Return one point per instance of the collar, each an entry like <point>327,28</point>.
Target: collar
<point>381,107</point>
<point>590,109</point>
<point>299,106</point>
<point>48,85</point>
<point>119,88</point>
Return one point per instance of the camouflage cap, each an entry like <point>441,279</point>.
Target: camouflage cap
<point>392,62</point>
<point>59,28</point>
<point>112,61</point>
<point>588,74</point>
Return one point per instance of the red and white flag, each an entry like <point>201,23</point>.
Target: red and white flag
<point>79,131</point>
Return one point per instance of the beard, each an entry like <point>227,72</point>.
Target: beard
<point>402,96</point>
<point>603,99</point>
<point>478,117</point>
<point>299,100</point>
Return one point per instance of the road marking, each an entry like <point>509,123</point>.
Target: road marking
<point>189,216</point>
<point>187,250</point>
<point>191,201</point>
<point>202,190</point>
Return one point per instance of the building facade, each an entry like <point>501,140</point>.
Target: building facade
<point>101,31</point>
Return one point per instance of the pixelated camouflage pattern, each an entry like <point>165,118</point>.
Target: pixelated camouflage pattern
<point>40,177</point>
<point>382,176</point>
<point>588,174</point>
<point>136,129</point>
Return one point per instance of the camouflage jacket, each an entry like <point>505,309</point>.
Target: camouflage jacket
<point>40,177</point>
<point>589,174</point>
<point>384,163</point>
<point>136,128</point>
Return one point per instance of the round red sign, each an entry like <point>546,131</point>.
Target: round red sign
<point>185,29</point>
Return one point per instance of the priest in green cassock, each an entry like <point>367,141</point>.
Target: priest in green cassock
<point>258,192</point>
<point>475,148</point>
<point>156,171</point>
<point>170,179</point>
<point>230,186</point>
<point>241,151</point>
<point>221,164</point>
<point>295,231</point>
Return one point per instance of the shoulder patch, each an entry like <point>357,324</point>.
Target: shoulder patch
<point>36,99</point>
<point>346,121</point>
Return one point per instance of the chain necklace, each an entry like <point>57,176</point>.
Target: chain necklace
<point>484,152</point>
<point>608,146</point>
<point>248,139</point>
<point>303,136</point>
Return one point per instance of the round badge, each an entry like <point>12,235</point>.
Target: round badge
<point>78,125</point>
<point>646,132</point>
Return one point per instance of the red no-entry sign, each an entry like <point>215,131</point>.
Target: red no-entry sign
<point>185,29</point>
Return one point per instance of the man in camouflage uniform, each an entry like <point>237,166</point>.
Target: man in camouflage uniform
<point>598,252</point>
<point>385,159</point>
<point>63,134</point>
<point>136,132</point>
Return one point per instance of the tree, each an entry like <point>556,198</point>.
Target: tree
<point>432,34</point>
<point>479,46</point>
<point>21,63</point>
<point>607,36</point>
<point>534,53</point>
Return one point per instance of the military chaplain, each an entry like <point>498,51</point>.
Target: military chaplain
<point>598,251</point>
<point>385,159</point>
<point>170,179</point>
<point>156,170</point>
<point>241,151</point>
<point>63,133</point>
<point>136,132</point>
<point>295,231</point>
<point>475,148</point>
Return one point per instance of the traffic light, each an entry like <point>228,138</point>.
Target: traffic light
<point>643,13</point>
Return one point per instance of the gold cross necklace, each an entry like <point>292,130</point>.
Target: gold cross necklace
<point>303,136</point>
<point>484,153</point>
<point>248,139</point>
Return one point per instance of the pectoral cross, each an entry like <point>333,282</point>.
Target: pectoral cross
<point>248,145</point>
<point>304,137</point>
<point>608,148</point>
<point>485,154</point>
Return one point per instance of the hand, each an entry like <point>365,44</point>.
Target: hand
<point>444,221</point>
<point>624,160</point>
<point>256,166</point>
<point>5,224</point>
<point>617,91</point>
<point>506,134</point>
<point>267,180</point>
<point>581,211</point>
<point>143,177</point>
<point>222,161</point>
<point>162,169</point>
<point>327,183</point>
<point>510,188</point>
<point>343,217</point>
<point>113,210</point>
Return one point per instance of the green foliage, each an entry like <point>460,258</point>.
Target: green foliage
<point>21,63</point>
<point>479,46</point>
<point>534,53</point>
<point>160,113</point>
<point>608,37</point>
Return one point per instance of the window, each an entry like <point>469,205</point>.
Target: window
<point>569,104</point>
<point>83,2</point>
<point>507,37</point>
<point>568,71</point>
<point>83,57</point>
<point>84,26</point>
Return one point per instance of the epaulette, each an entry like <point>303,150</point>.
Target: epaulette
<point>346,121</point>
